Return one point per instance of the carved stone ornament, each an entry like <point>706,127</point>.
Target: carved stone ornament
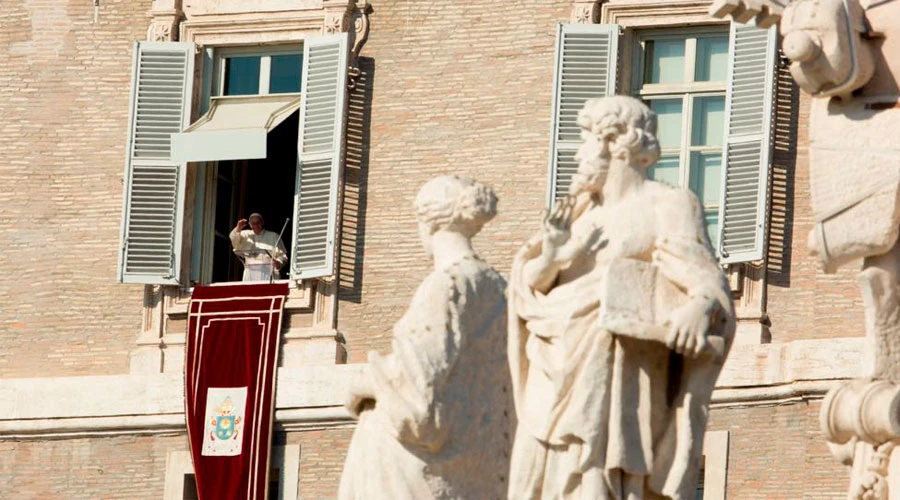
<point>764,13</point>
<point>163,30</point>
<point>823,40</point>
<point>585,12</point>
<point>620,322</point>
<point>846,53</point>
<point>336,22</point>
<point>435,414</point>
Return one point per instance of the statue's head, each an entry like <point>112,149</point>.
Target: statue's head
<point>617,129</point>
<point>456,204</point>
<point>823,40</point>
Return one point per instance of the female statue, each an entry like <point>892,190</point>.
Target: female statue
<point>434,415</point>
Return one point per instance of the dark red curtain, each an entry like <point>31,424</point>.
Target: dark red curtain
<point>232,351</point>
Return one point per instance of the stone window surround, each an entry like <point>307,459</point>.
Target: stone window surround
<point>715,455</point>
<point>748,280</point>
<point>284,458</point>
<point>228,23</point>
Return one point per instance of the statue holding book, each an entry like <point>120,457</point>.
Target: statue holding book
<point>620,321</point>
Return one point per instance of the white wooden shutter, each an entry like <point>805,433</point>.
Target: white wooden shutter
<point>152,212</point>
<point>586,56</point>
<point>747,151</point>
<point>320,155</point>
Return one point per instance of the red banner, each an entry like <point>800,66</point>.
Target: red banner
<point>232,350</point>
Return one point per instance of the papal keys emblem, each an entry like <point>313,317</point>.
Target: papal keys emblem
<point>224,421</point>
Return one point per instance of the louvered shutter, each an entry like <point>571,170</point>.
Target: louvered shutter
<point>320,155</point>
<point>586,56</point>
<point>152,213</point>
<point>747,151</point>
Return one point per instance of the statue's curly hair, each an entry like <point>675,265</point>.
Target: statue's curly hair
<point>456,204</point>
<point>626,127</point>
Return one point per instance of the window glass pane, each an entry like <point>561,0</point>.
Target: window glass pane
<point>708,124</point>
<point>706,175</point>
<point>664,60</point>
<point>712,59</point>
<point>668,122</point>
<point>666,170</point>
<point>285,74</point>
<point>241,76</point>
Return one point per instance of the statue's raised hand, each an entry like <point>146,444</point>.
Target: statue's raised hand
<point>556,228</point>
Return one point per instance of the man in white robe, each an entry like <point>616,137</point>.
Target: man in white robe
<point>256,245</point>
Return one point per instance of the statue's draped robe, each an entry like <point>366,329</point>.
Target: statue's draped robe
<point>593,405</point>
<point>443,413</point>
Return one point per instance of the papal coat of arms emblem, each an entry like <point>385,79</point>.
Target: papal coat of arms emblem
<point>225,408</point>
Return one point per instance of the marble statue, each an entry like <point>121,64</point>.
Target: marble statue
<point>846,54</point>
<point>620,319</point>
<point>435,415</point>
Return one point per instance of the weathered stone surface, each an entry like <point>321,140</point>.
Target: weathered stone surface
<point>434,415</point>
<point>620,319</point>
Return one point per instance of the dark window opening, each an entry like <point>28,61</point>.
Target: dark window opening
<point>701,478</point>
<point>265,186</point>
<point>190,486</point>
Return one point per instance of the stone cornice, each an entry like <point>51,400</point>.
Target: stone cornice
<point>312,397</point>
<point>631,13</point>
<point>243,29</point>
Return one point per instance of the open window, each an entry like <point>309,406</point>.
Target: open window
<point>270,141</point>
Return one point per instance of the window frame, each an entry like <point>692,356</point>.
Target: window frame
<point>202,243</point>
<point>265,52</point>
<point>687,91</point>
<point>284,458</point>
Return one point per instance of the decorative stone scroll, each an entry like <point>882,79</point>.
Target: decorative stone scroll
<point>847,54</point>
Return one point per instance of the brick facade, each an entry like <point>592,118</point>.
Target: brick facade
<point>125,467</point>
<point>797,463</point>
<point>474,101</point>
<point>64,101</point>
<point>461,86</point>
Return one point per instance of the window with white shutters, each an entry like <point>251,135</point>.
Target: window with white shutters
<point>747,153</point>
<point>586,56</point>
<point>150,249</point>
<point>712,92</point>
<point>270,141</point>
<point>322,116</point>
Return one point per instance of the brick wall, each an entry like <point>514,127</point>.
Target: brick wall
<point>322,454</point>
<point>459,87</point>
<point>64,86</point>
<point>803,302</point>
<point>778,453</point>
<point>456,87</point>
<point>126,467</point>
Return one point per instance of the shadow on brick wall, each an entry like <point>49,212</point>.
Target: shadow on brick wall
<point>784,160</point>
<point>356,173</point>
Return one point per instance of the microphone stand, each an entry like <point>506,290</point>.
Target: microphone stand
<point>271,278</point>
